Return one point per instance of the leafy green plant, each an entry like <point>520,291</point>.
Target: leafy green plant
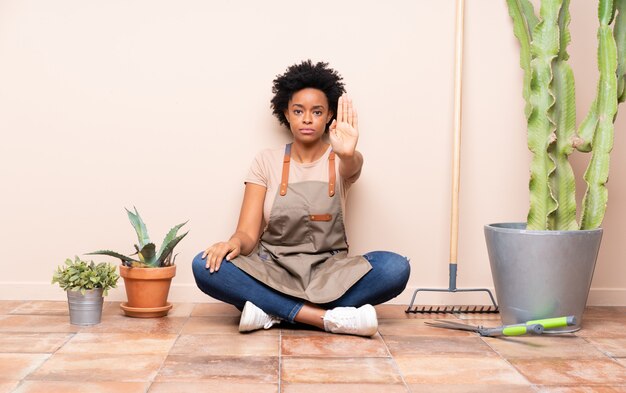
<point>81,275</point>
<point>549,92</point>
<point>147,256</point>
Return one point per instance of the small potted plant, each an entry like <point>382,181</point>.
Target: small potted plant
<point>147,273</point>
<point>86,284</point>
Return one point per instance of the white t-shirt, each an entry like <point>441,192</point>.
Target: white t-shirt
<point>267,167</point>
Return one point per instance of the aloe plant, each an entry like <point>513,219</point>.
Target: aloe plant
<point>549,91</point>
<point>146,255</point>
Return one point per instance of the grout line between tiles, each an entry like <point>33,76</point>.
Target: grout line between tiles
<point>507,361</point>
<point>394,364</point>
<point>614,358</point>
<point>67,340</point>
<point>178,334</point>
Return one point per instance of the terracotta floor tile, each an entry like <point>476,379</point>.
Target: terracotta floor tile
<point>111,309</point>
<point>593,312</point>
<point>438,346</point>
<point>8,386</point>
<point>32,342</point>
<point>561,346</point>
<point>484,322</point>
<point>331,345</point>
<point>416,327</point>
<point>458,370</point>
<point>220,325</point>
<point>581,389</point>
<point>571,371</point>
<point>99,367</point>
<point>120,343</point>
<point>301,330</point>
<point>608,328</point>
<point>213,386</point>
<point>215,310</point>
<point>83,387</point>
<point>18,365</point>
<point>37,324</point>
<point>419,315</point>
<point>343,388</point>
<point>614,347</point>
<point>40,307</point>
<point>123,324</point>
<point>213,325</point>
<point>6,306</point>
<point>392,311</point>
<point>178,309</point>
<point>226,345</point>
<point>481,317</point>
<point>198,348</point>
<point>181,310</point>
<point>248,369</point>
<point>398,311</point>
<point>466,388</point>
<point>339,370</point>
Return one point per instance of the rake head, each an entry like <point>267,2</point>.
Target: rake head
<point>486,309</point>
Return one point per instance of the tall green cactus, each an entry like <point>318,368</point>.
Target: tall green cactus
<point>551,110</point>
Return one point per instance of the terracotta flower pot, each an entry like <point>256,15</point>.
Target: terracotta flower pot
<point>147,290</point>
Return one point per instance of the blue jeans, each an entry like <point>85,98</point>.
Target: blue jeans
<point>387,279</point>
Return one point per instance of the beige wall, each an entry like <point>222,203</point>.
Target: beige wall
<point>163,104</point>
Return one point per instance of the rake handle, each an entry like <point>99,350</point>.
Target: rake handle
<point>456,160</point>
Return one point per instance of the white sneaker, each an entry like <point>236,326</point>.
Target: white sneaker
<point>253,318</point>
<point>360,321</point>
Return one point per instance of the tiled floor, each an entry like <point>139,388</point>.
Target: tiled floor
<point>197,349</point>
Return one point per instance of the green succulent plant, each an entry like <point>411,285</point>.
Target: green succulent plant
<point>79,275</point>
<point>147,255</point>
<point>549,92</point>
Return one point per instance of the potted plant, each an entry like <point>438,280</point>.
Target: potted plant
<point>147,273</point>
<point>544,267</point>
<point>86,284</point>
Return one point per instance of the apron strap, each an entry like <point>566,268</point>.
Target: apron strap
<point>285,177</point>
<point>331,174</point>
<point>284,181</point>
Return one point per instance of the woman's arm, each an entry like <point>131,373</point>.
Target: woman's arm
<point>350,166</point>
<point>344,135</point>
<point>248,230</point>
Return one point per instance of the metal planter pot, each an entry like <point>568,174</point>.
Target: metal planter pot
<point>85,309</point>
<point>541,274</point>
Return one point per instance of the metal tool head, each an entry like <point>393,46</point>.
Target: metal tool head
<point>442,323</point>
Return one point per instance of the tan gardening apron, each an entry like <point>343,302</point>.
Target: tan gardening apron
<point>303,250</point>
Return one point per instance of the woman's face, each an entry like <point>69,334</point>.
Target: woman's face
<point>308,114</point>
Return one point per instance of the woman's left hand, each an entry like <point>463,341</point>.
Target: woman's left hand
<point>344,131</point>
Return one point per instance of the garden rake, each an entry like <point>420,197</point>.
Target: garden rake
<point>454,230</point>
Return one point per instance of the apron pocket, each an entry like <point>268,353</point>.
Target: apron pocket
<point>288,227</point>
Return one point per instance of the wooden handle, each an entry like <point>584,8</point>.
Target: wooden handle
<point>456,163</point>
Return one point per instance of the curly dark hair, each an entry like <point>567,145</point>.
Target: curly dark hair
<point>303,75</point>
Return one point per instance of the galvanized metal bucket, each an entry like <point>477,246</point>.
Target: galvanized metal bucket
<point>541,274</point>
<point>85,309</point>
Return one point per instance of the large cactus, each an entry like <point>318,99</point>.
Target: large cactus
<point>551,110</point>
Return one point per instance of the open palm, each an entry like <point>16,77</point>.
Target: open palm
<point>344,131</point>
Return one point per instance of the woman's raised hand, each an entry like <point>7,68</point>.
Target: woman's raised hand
<point>344,131</point>
<point>215,254</point>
